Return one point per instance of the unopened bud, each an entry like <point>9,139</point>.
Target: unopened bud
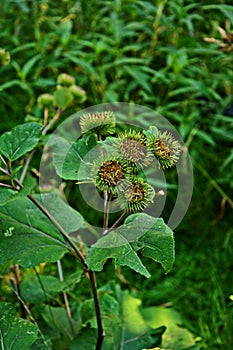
<point>5,57</point>
<point>65,79</point>
<point>45,100</point>
<point>78,92</point>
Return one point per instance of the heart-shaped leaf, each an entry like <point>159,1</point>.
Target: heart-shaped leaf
<point>139,232</point>
<point>73,161</point>
<point>20,140</point>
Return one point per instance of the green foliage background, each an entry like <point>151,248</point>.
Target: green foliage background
<point>151,53</point>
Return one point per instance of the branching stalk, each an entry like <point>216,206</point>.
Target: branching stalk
<point>116,223</point>
<point>52,121</point>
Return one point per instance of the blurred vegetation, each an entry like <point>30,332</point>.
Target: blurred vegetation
<point>154,54</point>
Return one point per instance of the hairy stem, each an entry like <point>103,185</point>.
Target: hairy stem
<point>46,115</point>
<point>31,318</point>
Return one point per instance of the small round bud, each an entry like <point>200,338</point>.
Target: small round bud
<point>65,79</point>
<point>45,100</point>
<point>5,57</point>
<point>78,93</point>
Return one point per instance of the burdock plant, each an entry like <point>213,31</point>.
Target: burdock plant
<point>119,171</point>
<point>42,228</point>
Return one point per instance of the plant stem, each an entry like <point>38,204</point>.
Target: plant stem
<point>52,121</point>
<point>16,285</point>
<point>116,223</point>
<point>156,27</point>
<point>4,171</point>
<point>44,132</point>
<point>7,172</point>
<point>56,224</point>
<point>101,333</point>
<point>7,186</point>
<point>3,160</point>
<point>46,114</point>
<point>107,198</point>
<point>26,165</point>
<point>67,307</point>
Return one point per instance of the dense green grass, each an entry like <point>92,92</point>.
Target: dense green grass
<point>151,53</point>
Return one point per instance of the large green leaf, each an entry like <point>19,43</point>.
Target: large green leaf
<point>27,236</point>
<point>136,334</point>
<point>6,195</point>
<point>176,337</point>
<point>123,322</point>
<point>20,140</point>
<point>115,246</point>
<point>74,161</point>
<point>139,232</point>
<point>65,215</point>
<point>15,333</point>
